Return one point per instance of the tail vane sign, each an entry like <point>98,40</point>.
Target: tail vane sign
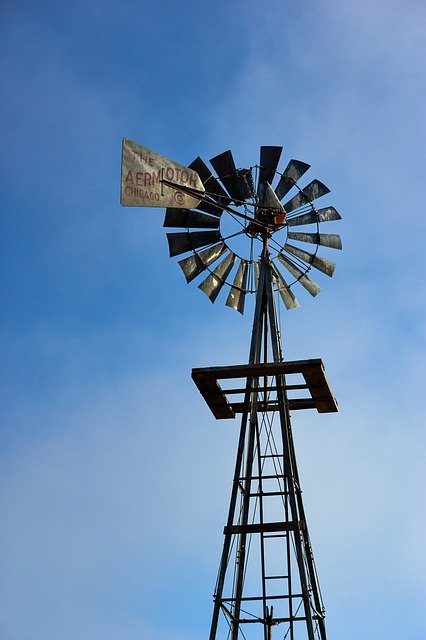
<point>151,180</point>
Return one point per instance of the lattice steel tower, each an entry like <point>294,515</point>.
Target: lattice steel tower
<point>267,576</point>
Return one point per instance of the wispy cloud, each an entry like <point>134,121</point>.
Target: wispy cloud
<point>115,476</point>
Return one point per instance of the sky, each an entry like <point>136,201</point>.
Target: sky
<point>115,478</point>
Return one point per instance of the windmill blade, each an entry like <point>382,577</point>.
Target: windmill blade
<point>292,173</point>
<point>185,218</point>
<point>331,240</point>
<point>187,241</point>
<point>326,266</point>
<point>215,281</point>
<point>212,186</point>
<point>321,215</point>
<point>269,159</point>
<point>236,182</point>
<point>285,292</point>
<point>198,262</point>
<point>225,168</point>
<point>256,272</point>
<point>311,192</point>
<point>304,280</point>
<point>237,295</point>
<point>210,207</point>
<point>245,183</point>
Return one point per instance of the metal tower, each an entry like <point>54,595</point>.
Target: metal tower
<point>267,572</point>
<point>267,577</point>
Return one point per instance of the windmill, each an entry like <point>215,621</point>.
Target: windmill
<point>237,234</point>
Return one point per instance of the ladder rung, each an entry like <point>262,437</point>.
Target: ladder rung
<point>264,527</point>
<point>284,596</point>
<point>273,477</point>
<point>267,494</point>
<point>275,621</point>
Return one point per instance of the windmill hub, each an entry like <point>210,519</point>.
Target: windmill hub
<point>254,231</point>
<point>270,221</point>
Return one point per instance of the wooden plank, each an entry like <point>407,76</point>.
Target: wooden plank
<point>259,370</point>
<point>212,393</point>
<point>319,388</point>
<point>312,371</point>
<point>294,404</point>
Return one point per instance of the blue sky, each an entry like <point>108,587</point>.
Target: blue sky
<point>115,477</point>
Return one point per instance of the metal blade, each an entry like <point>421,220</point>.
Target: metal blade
<point>245,183</point>
<point>187,241</point>
<point>212,186</point>
<point>212,209</point>
<point>237,295</point>
<point>293,171</point>
<point>224,166</point>
<point>236,181</point>
<point>331,240</point>
<point>326,266</point>
<point>311,192</point>
<point>304,280</point>
<point>321,215</point>
<point>198,262</point>
<point>285,292</point>
<point>215,281</point>
<point>269,159</point>
<point>256,269</point>
<point>270,199</point>
<point>185,218</point>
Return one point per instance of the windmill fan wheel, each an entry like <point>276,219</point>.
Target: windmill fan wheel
<point>241,211</point>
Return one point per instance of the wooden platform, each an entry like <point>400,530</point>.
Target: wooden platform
<point>317,393</point>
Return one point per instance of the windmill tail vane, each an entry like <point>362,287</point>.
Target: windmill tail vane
<point>241,230</point>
